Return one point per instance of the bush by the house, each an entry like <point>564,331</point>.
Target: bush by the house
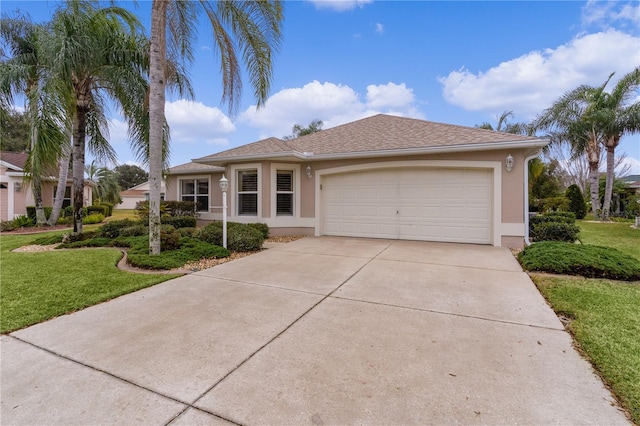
<point>187,232</point>
<point>109,208</point>
<point>190,250</point>
<point>112,229</point>
<point>103,210</point>
<point>169,238</point>
<point>7,225</point>
<point>180,208</point>
<point>93,218</point>
<point>554,226</point>
<point>240,237</point>
<point>577,259</point>
<point>577,204</point>
<point>22,221</point>
<point>554,204</point>
<point>179,221</point>
<point>262,227</point>
<point>134,231</point>
<point>31,212</point>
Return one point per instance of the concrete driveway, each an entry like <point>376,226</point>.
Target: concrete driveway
<point>317,331</point>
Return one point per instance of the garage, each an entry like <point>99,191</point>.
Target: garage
<point>428,204</point>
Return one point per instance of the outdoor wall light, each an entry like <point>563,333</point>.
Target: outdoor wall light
<point>17,186</point>
<point>509,162</point>
<point>308,170</point>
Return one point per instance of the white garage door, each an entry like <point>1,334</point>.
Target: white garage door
<point>435,204</point>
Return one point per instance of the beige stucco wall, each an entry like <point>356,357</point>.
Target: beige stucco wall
<point>512,189</point>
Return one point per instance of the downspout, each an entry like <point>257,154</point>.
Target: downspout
<point>527,242</point>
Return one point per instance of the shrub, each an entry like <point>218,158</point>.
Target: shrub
<point>31,212</point>
<point>134,231</point>
<point>180,208</point>
<point>190,250</point>
<point>112,229</point>
<point>555,231</point>
<point>92,242</point>
<point>559,217</point>
<point>93,218</point>
<point>262,227</point>
<point>576,259</point>
<point>554,204</point>
<point>109,207</point>
<point>7,225</point>
<point>23,221</point>
<point>103,210</point>
<point>576,201</point>
<point>179,221</point>
<point>240,237</point>
<point>169,238</point>
<point>187,232</point>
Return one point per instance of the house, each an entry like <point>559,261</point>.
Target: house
<point>378,177</point>
<point>136,194</point>
<point>632,182</point>
<point>16,194</point>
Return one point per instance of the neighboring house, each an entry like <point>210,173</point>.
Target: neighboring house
<point>379,177</point>
<point>16,194</point>
<point>633,183</point>
<point>134,195</point>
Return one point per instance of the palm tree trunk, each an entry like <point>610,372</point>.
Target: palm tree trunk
<point>593,185</point>
<point>156,117</point>
<point>63,171</point>
<point>79,132</point>
<point>608,188</point>
<point>36,186</point>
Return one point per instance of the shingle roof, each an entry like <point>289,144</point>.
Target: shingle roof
<point>194,167</point>
<point>16,159</point>
<point>374,134</point>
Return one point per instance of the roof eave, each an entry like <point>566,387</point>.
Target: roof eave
<point>308,156</point>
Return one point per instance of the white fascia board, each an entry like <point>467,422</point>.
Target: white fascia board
<point>10,166</point>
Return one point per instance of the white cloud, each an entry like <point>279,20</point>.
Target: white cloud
<point>532,82</point>
<point>195,122</point>
<point>334,104</point>
<point>632,163</point>
<point>118,132</point>
<point>339,5</point>
<point>379,28</point>
<point>604,14</point>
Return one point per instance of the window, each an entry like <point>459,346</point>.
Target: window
<point>284,193</point>
<point>66,201</point>
<point>196,190</point>
<point>248,192</point>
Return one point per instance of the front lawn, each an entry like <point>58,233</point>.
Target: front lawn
<point>619,235</point>
<point>35,287</point>
<point>605,321</point>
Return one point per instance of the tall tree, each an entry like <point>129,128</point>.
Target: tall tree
<point>619,115</point>
<point>25,73</point>
<point>503,125</point>
<point>14,131</point>
<point>105,184</point>
<point>96,54</point>
<point>250,27</point>
<point>589,118</point>
<point>298,130</point>
<point>130,175</point>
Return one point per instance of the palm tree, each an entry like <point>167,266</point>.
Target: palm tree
<point>504,126</point>
<point>619,117</point>
<point>251,27</point>
<point>96,54</point>
<point>24,73</point>
<point>105,184</point>
<point>297,129</point>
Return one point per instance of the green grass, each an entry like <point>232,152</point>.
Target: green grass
<point>118,214</point>
<point>617,235</point>
<point>606,326</point>
<point>35,287</point>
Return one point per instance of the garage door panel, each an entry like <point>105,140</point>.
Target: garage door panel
<point>452,205</point>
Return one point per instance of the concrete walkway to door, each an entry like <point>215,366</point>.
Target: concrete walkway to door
<point>317,331</point>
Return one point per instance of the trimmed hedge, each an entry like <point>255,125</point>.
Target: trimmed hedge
<point>262,227</point>
<point>179,221</point>
<point>576,201</point>
<point>112,229</point>
<point>576,259</point>
<point>103,210</point>
<point>190,250</point>
<point>93,218</point>
<point>554,226</point>
<point>31,212</point>
<point>240,237</point>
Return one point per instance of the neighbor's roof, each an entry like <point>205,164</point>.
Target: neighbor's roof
<point>378,135</point>
<point>14,160</point>
<point>194,168</point>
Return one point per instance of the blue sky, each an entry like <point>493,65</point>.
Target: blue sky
<point>455,62</point>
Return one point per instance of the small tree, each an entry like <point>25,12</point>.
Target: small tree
<point>576,201</point>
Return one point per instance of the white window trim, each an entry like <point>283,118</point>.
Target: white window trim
<point>296,191</point>
<point>234,191</point>
<point>194,178</point>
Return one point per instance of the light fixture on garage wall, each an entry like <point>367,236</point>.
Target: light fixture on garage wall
<point>308,170</point>
<point>509,162</point>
